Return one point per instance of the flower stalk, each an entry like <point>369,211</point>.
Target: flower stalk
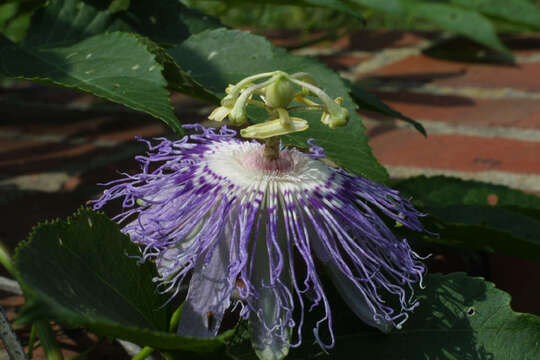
<point>271,148</point>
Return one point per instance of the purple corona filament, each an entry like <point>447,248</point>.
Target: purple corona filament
<point>249,231</point>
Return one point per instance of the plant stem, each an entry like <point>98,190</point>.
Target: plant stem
<point>5,259</point>
<point>31,341</point>
<point>144,353</point>
<point>271,148</point>
<point>48,340</point>
<point>175,318</point>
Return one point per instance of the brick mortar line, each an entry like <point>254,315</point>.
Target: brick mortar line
<point>527,182</point>
<point>53,181</point>
<point>48,182</point>
<point>384,58</point>
<point>528,59</point>
<point>440,127</point>
<point>51,138</point>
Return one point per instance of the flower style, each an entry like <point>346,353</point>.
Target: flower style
<point>253,231</point>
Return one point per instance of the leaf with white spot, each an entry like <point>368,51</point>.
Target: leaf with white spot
<point>114,66</point>
<point>70,43</point>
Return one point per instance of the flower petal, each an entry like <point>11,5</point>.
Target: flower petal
<point>208,296</point>
<point>269,343</point>
<point>270,316</point>
<point>357,300</point>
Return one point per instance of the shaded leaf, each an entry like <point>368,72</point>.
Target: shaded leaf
<point>115,66</point>
<point>469,51</point>
<point>516,11</point>
<point>368,101</point>
<point>118,5</point>
<point>221,57</point>
<point>66,22</point>
<point>63,22</point>
<point>459,317</point>
<point>460,21</point>
<point>477,215</point>
<point>66,46</point>
<point>394,7</point>
<point>15,18</point>
<point>338,5</point>
<point>165,21</point>
<point>84,272</point>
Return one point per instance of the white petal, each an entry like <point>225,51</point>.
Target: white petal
<point>270,334</point>
<point>356,300</point>
<point>208,296</point>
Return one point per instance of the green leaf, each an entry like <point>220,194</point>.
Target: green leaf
<point>477,215</point>
<point>239,345</point>
<point>63,22</point>
<point>66,22</point>
<point>459,317</point>
<point>516,11</point>
<point>83,272</point>
<point>370,102</point>
<point>332,4</point>
<point>115,66</point>
<point>165,21</point>
<point>118,5</point>
<point>221,57</point>
<point>394,7</point>
<point>15,18</point>
<point>338,5</point>
<point>442,190</point>
<point>460,21</point>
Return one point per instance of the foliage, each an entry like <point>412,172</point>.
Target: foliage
<point>478,19</point>
<point>460,317</point>
<point>477,215</point>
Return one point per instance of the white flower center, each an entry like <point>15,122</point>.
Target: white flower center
<point>245,166</point>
